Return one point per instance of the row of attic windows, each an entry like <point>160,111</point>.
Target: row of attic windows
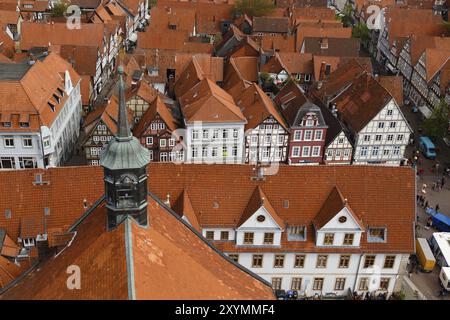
<point>57,98</point>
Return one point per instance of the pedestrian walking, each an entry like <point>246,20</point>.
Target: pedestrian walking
<point>426,204</point>
<point>429,223</point>
<point>437,208</point>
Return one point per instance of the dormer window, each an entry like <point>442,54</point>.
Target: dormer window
<point>58,100</point>
<point>348,239</point>
<point>328,239</point>
<point>376,235</point>
<point>61,92</point>
<point>7,124</point>
<point>24,124</point>
<point>52,106</point>
<point>248,237</point>
<point>172,26</point>
<point>296,233</point>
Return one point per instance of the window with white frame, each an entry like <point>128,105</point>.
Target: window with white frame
<point>280,139</point>
<point>154,126</point>
<point>396,150</point>
<point>400,137</point>
<point>7,163</point>
<point>234,151</point>
<point>161,126</point>
<point>366,137</point>
<point>254,139</point>
<point>235,133</point>
<point>380,125</point>
<point>316,151</point>
<point>308,135</point>
<point>376,234</point>
<point>214,151</point>
<point>194,152</point>
<point>204,152</point>
<point>149,140</point>
<point>225,134</point>
<point>194,134</point>
<point>163,157</point>
<point>265,153</point>
<point>27,142</point>
<point>297,135</point>
<point>392,124</point>
<point>363,151</point>
<point>378,137</point>
<point>8,142</point>
<point>305,151</point>
<point>171,142</point>
<point>375,151</point>
<point>216,134</point>
<point>346,153</point>
<point>162,143</point>
<point>296,233</point>
<point>205,134</point>
<point>318,135</point>
<point>390,137</point>
<point>296,151</point>
<point>151,154</point>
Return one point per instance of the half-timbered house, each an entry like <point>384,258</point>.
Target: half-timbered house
<point>156,131</point>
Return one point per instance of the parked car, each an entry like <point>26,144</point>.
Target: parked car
<point>427,147</point>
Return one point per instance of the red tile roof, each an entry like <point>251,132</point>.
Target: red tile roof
<point>332,206</point>
<point>207,102</point>
<point>258,200</point>
<point>379,195</point>
<point>168,261</point>
<point>257,107</point>
<point>46,34</point>
<point>157,107</point>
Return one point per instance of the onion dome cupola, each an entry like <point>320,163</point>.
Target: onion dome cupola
<point>125,171</point>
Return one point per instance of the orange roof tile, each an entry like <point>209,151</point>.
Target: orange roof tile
<point>257,107</point>
<point>207,102</point>
<point>202,66</point>
<point>379,195</point>
<point>157,107</point>
<point>46,34</point>
<point>167,260</point>
<point>183,207</point>
<point>258,200</point>
<point>334,203</point>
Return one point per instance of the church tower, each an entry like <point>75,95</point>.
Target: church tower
<point>125,171</point>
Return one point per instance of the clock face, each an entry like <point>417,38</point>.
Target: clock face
<point>342,219</point>
<point>260,218</point>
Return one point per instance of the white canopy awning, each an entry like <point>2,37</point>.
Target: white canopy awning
<point>425,111</point>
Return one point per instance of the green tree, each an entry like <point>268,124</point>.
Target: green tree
<point>254,8</point>
<point>59,9</point>
<point>361,31</point>
<point>345,16</point>
<point>436,125</point>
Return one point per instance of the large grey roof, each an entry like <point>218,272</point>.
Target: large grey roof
<point>13,71</point>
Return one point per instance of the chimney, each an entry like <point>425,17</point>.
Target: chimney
<point>167,202</point>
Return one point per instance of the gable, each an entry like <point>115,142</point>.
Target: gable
<point>252,222</point>
<point>350,224</point>
<point>398,115</point>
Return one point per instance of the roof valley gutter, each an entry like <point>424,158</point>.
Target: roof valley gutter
<point>129,258</point>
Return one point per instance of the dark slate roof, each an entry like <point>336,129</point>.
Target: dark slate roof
<point>308,107</point>
<point>13,71</point>
<point>337,47</point>
<point>335,127</point>
<point>271,24</point>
